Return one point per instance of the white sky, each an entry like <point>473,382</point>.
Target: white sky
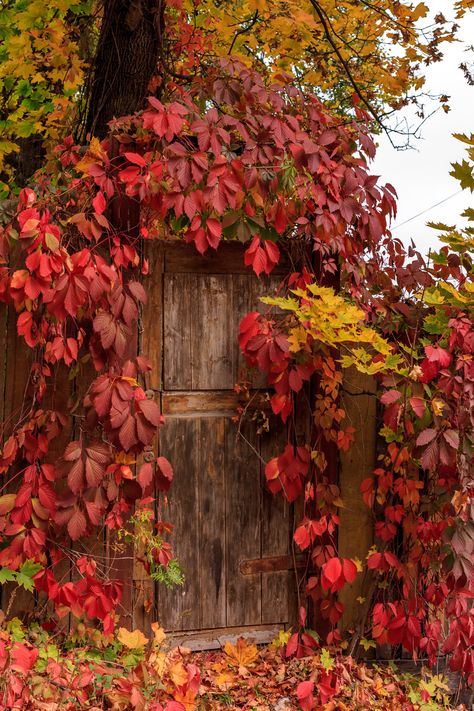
<point>421,175</point>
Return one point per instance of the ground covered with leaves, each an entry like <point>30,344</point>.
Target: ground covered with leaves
<point>127,671</point>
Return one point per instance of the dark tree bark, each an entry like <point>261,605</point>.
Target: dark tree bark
<point>125,61</point>
<point>28,159</point>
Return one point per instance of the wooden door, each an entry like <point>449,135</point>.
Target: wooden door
<point>225,521</point>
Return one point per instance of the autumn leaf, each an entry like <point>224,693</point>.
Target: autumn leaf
<point>223,678</point>
<point>242,654</point>
<point>132,640</point>
<point>178,673</point>
<point>159,634</point>
<point>304,693</point>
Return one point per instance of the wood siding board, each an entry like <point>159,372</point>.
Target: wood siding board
<point>181,258</point>
<point>61,391</point>
<point>211,477</point>
<point>179,442</point>
<point>150,345</point>
<point>17,373</point>
<point>151,322</point>
<point>209,639</point>
<point>212,333</point>
<point>242,304</point>
<point>200,402</point>
<point>18,363</point>
<point>179,312</point>
<point>243,526</point>
<point>274,534</point>
<point>356,524</point>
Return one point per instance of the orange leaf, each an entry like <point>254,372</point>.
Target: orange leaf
<point>178,674</point>
<point>131,640</point>
<point>242,654</point>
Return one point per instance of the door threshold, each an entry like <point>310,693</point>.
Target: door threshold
<point>204,640</point>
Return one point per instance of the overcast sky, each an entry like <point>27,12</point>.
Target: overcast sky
<point>421,175</point>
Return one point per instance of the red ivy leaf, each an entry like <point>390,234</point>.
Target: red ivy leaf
<point>164,474</point>
<point>304,693</point>
<point>99,203</point>
<point>22,658</point>
<point>418,405</point>
<point>426,437</point>
<point>452,438</point>
<point>331,572</point>
<point>77,524</point>
<point>390,397</point>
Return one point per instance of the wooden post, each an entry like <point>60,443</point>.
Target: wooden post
<point>356,533</point>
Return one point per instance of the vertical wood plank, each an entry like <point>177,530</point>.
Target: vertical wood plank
<point>180,299</point>
<point>151,346</point>
<point>178,607</point>
<point>17,372</point>
<point>212,333</point>
<point>18,360</point>
<point>356,524</point>
<point>242,304</point>
<point>151,323</point>
<point>243,526</point>
<point>275,534</point>
<point>59,395</point>
<point>211,478</point>
<point>94,545</point>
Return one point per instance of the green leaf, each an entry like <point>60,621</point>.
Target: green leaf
<point>441,226</point>
<point>15,628</point>
<point>462,172</point>
<point>327,662</point>
<point>7,575</point>
<point>24,577</point>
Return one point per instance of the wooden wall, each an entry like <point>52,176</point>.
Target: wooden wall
<point>232,537</point>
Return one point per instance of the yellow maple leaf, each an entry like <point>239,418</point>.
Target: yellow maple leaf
<point>241,653</point>
<point>178,673</point>
<point>224,678</point>
<point>159,634</point>
<point>157,660</point>
<point>132,640</point>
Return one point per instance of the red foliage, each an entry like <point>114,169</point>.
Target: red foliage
<point>268,165</point>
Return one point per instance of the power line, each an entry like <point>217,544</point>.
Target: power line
<point>428,209</point>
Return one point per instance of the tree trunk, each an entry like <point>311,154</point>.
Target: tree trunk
<point>125,61</point>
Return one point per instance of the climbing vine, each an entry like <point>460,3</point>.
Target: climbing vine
<point>237,157</point>
<point>413,330</point>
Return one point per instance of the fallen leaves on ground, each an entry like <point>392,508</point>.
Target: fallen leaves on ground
<point>93,671</point>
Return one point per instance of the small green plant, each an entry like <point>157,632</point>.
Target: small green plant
<point>169,575</point>
<point>155,551</point>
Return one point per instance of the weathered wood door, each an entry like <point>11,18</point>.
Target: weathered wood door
<point>222,514</point>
